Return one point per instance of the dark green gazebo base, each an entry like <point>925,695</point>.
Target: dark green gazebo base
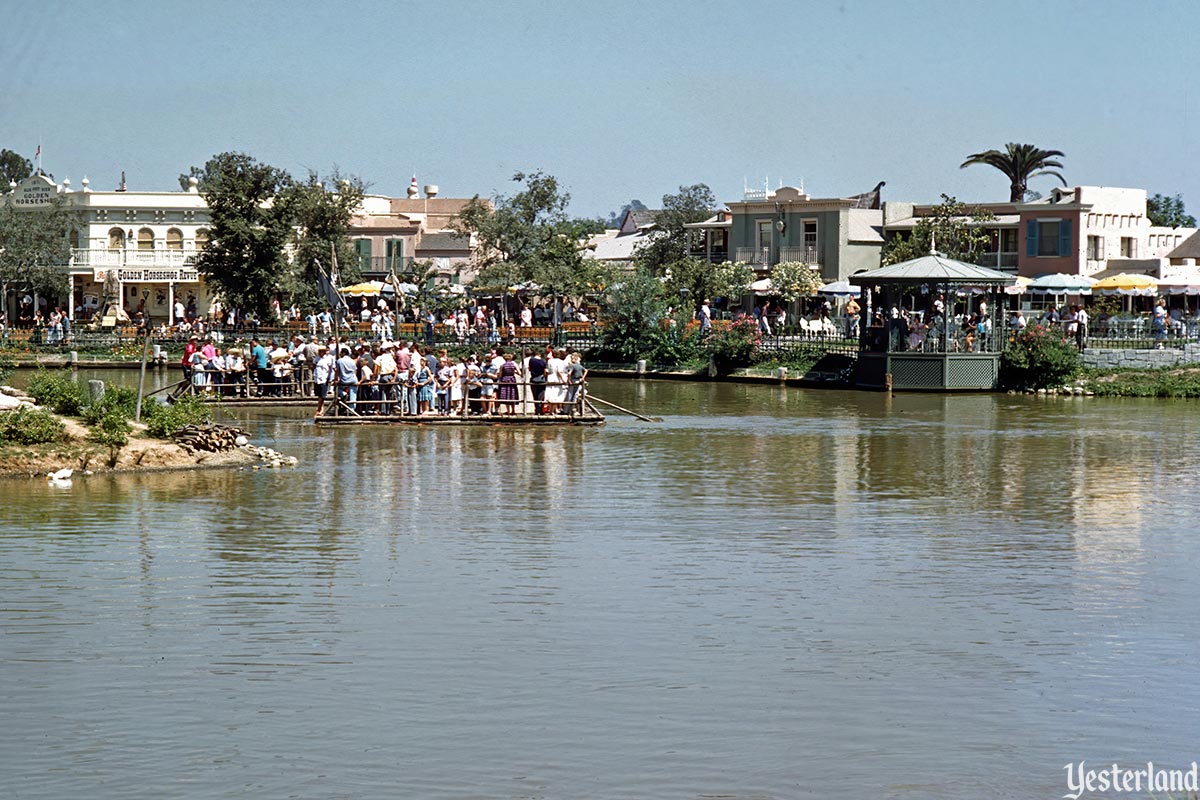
<point>927,371</point>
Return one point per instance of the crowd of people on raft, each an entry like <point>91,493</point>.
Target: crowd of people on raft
<point>390,378</point>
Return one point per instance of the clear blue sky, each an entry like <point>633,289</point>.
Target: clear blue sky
<point>619,100</point>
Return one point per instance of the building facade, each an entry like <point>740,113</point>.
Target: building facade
<point>390,233</point>
<point>149,239</point>
<point>836,236</point>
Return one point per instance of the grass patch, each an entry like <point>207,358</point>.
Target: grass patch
<point>1178,382</point>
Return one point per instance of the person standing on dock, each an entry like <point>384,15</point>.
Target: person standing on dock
<point>322,373</point>
<point>403,363</point>
<point>576,375</point>
<point>385,377</point>
<point>537,381</point>
<point>347,378</point>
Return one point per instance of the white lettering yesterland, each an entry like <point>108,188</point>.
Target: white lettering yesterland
<point>1116,779</point>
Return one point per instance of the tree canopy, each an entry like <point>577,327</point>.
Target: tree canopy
<point>14,168</point>
<point>321,210</point>
<point>35,243</point>
<point>668,244</point>
<point>1168,212</point>
<point>792,280</point>
<point>251,224</point>
<point>529,237</point>
<point>1019,163</point>
<point>953,229</point>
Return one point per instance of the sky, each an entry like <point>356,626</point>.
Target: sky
<point>618,100</point>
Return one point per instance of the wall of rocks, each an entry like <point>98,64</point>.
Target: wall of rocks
<point>1102,358</point>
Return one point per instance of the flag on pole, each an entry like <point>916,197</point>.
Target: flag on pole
<point>38,154</point>
<point>328,292</point>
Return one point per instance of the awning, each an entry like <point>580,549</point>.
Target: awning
<point>1061,283</point>
<point>839,289</point>
<point>1127,284</point>
<point>365,289</point>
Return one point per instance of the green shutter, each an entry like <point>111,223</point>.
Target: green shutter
<point>1031,228</point>
<point>362,248</point>
<point>395,254</point>
<point>1064,237</point>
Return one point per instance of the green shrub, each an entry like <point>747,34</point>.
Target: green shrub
<point>1038,358</point>
<point>116,399</point>
<point>164,421</point>
<point>59,391</point>
<point>7,366</point>
<point>1162,382</point>
<point>673,346</point>
<point>733,347</point>
<point>111,429</point>
<point>27,425</point>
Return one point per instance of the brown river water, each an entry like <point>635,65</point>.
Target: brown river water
<point>773,593</point>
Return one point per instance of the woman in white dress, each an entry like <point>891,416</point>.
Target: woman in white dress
<point>556,381</point>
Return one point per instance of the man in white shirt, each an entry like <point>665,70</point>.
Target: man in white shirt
<point>385,378</point>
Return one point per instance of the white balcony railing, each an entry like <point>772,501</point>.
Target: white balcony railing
<point>753,255</point>
<point>138,259</point>
<point>805,255</point>
<point>762,255</point>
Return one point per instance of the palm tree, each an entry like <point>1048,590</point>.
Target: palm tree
<point>1020,162</point>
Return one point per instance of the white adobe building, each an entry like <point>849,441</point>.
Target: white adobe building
<point>151,239</point>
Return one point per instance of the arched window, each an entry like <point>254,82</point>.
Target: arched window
<point>174,239</point>
<point>116,239</point>
<point>145,239</point>
<point>201,238</point>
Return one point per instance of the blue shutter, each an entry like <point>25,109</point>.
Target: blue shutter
<point>1064,237</point>
<point>1031,237</point>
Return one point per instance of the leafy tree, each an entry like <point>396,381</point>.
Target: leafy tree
<point>13,167</point>
<point>35,243</point>
<point>732,279</point>
<point>669,243</point>
<point>697,279</point>
<point>321,210</point>
<point>193,172</point>
<point>251,226</point>
<point>1020,162</point>
<point>795,279</point>
<point>528,237</point>
<point>633,311</point>
<point>954,229</point>
<point>1168,212</point>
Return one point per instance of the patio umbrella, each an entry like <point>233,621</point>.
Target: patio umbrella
<point>364,289</point>
<point>1179,287</point>
<point>1127,284</point>
<point>762,286</point>
<point>1061,283</point>
<point>839,289</point>
<point>1019,286</point>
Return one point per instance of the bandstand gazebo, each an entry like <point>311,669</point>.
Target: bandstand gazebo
<point>917,331</point>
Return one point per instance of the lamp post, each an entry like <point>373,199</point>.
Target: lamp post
<point>137,415</point>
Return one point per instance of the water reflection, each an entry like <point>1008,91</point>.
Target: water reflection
<point>918,593</point>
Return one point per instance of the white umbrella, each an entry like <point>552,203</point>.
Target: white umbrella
<point>1061,283</point>
<point>839,289</point>
<point>762,286</point>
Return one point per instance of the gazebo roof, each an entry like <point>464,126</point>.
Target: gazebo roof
<point>932,268</point>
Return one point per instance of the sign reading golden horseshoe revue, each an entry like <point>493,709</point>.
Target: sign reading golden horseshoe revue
<point>149,275</point>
